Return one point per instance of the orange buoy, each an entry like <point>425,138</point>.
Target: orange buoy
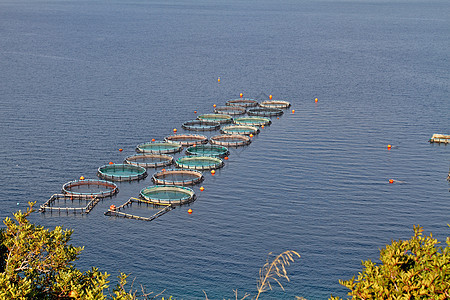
<point>120,149</point>
<point>218,79</point>
<point>391,180</point>
<point>226,158</point>
<point>389,147</point>
<point>213,172</point>
<point>240,95</point>
<point>73,294</point>
<point>315,100</point>
<point>270,97</point>
<point>111,163</point>
<point>174,130</point>
<point>293,111</point>
<point>202,189</point>
<point>262,126</point>
<point>163,170</point>
<point>251,135</point>
<point>81,177</point>
<point>189,211</point>
<point>214,105</point>
<point>153,140</point>
<point>112,207</point>
<point>195,111</point>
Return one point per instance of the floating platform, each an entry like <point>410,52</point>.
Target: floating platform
<point>116,211</point>
<point>240,129</point>
<point>244,102</point>
<point>275,104</point>
<point>230,110</point>
<point>121,172</point>
<point>187,139</point>
<point>167,194</point>
<point>265,111</point>
<point>221,118</point>
<point>149,160</point>
<point>177,177</point>
<point>440,138</point>
<point>159,147</point>
<point>253,121</point>
<point>50,204</point>
<point>208,150</point>
<point>230,140</point>
<point>200,125</point>
<point>197,162</point>
<point>89,188</point>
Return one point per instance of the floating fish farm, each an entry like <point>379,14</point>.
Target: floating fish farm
<point>170,185</point>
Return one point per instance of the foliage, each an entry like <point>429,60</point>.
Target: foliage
<point>38,264</point>
<point>412,269</point>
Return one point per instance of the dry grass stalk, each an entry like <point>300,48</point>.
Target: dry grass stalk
<point>271,271</point>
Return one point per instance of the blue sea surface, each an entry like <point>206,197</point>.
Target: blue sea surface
<point>81,79</point>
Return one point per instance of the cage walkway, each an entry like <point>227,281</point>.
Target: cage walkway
<point>47,206</point>
<point>117,213</point>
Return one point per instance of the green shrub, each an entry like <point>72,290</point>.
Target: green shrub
<point>38,264</point>
<point>412,269</point>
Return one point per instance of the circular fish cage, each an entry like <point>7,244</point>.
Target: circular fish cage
<point>240,129</point>
<point>230,110</point>
<point>149,160</point>
<point>265,111</point>
<point>275,104</point>
<point>208,150</point>
<point>121,172</point>
<point>221,118</point>
<point>168,194</point>
<point>90,188</point>
<point>177,177</point>
<point>198,162</point>
<point>158,147</point>
<point>245,102</point>
<point>230,140</point>
<point>200,125</point>
<point>253,121</point>
<point>187,139</point>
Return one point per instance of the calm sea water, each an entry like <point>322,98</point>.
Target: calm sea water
<point>81,79</point>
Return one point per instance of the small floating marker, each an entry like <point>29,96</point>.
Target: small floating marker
<point>81,177</point>
<point>111,163</point>
<point>190,210</point>
<point>195,111</point>
<point>262,126</point>
<point>316,100</point>
<point>251,135</point>
<point>213,172</point>
<point>174,130</point>
<point>278,118</point>
<point>241,95</point>
<point>214,105</point>
<point>389,147</point>
<point>226,158</point>
<point>270,97</point>
<point>112,207</point>
<point>163,170</point>
<point>293,111</point>
<point>218,79</point>
<point>391,180</point>
<point>120,149</point>
<point>202,189</point>
<point>153,140</point>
